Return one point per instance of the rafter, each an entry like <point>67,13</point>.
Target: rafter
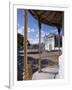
<point>49,17</point>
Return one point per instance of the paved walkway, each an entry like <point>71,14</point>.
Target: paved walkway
<point>46,73</point>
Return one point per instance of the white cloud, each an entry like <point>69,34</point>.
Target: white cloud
<point>21,30</point>
<point>28,29</point>
<point>42,34</point>
<point>31,29</point>
<point>33,41</point>
<point>37,35</point>
<point>18,25</point>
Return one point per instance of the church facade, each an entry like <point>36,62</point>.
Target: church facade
<point>51,42</point>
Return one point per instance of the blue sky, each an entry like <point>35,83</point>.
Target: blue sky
<point>33,33</point>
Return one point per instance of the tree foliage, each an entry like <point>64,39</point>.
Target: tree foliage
<point>20,41</point>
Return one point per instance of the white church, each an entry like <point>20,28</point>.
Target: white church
<point>51,42</point>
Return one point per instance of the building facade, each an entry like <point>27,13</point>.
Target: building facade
<point>51,42</point>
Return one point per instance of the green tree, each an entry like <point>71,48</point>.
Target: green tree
<point>19,40</point>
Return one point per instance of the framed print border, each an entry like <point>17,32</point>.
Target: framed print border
<point>13,45</point>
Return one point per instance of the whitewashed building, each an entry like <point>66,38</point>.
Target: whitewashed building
<point>51,42</point>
